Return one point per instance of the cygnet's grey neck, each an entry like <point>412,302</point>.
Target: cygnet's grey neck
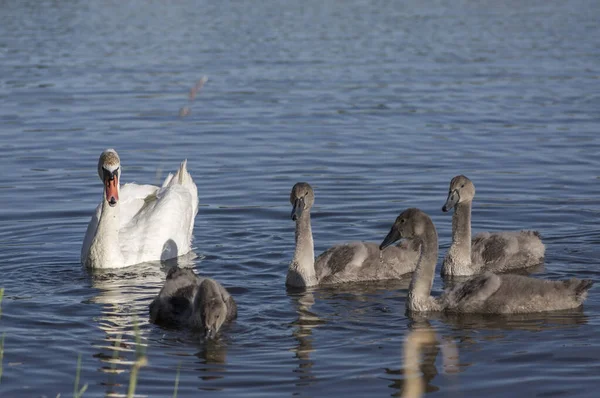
<point>419,291</point>
<point>459,254</point>
<point>302,269</point>
<point>461,226</point>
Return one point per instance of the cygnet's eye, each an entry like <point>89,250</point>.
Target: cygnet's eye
<point>402,221</point>
<point>462,186</point>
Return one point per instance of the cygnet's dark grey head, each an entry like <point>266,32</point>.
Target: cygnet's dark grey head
<point>461,190</point>
<point>302,198</point>
<point>212,306</point>
<point>411,223</point>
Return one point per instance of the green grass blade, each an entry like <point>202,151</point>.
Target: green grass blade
<point>177,381</point>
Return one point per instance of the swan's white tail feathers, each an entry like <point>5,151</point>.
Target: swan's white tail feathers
<point>184,178</point>
<point>183,173</point>
<point>167,180</point>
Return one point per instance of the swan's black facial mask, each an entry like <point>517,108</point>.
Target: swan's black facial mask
<point>111,186</point>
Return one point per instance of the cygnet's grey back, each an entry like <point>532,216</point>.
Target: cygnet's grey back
<point>514,294</point>
<point>508,250</point>
<point>362,261</point>
<point>174,304</point>
<point>213,306</point>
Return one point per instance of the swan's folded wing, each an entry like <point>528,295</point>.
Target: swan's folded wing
<point>162,227</point>
<point>363,261</point>
<point>133,197</point>
<point>471,294</point>
<point>492,247</point>
<point>507,250</point>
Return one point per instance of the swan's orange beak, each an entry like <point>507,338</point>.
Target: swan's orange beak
<point>111,187</point>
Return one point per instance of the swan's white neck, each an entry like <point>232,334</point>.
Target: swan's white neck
<point>301,272</point>
<point>458,259</point>
<point>105,251</point>
<point>419,292</point>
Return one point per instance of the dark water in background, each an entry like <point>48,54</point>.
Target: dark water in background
<point>377,104</point>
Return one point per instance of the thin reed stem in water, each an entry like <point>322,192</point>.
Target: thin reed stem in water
<point>115,355</point>
<point>77,393</point>
<point>177,381</point>
<point>140,361</point>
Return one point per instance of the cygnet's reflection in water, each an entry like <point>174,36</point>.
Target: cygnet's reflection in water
<point>468,332</point>
<point>359,300</point>
<point>302,332</point>
<point>213,358</point>
<point>420,350</point>
<point>124,294</point>
<point>468,328</point>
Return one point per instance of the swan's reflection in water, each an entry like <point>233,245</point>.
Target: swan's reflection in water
<point>422,343</point>
<point>302,332</point>
<point>124,295</point>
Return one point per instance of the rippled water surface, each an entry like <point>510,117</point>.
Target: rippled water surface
<point>377,104</point>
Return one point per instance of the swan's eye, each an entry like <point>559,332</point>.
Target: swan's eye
<point>462,186</point>
<point>402,221</point>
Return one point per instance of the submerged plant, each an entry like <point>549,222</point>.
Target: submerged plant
<point>78,393</point>
<point>176,381</point>
<point>140,361</point>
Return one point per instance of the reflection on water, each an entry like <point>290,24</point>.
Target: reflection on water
<point>420,350</point>
<point>124,295</point>
<point>364,291</point>
<point>422,343</point>
<point>302,332</point>
<point>213,358</point>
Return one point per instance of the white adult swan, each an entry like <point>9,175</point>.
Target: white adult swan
<point>138,223</point>
<point>187,300</point>
<point>351,262</point>
<point>497,252</point>
<point>487,293</point>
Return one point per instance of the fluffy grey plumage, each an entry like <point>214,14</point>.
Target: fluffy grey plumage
<point>486,293</point>
<point>351,262</point>
<point>496,252</point>
<point>187,300</point>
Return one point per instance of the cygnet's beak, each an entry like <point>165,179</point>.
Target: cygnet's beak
<point>210,333</point>
<point>391,238</point>
<point>111,186</point>
<point>298,208</point>
<point>453,198</point>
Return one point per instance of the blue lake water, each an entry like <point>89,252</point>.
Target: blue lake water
<point>377,104</point>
